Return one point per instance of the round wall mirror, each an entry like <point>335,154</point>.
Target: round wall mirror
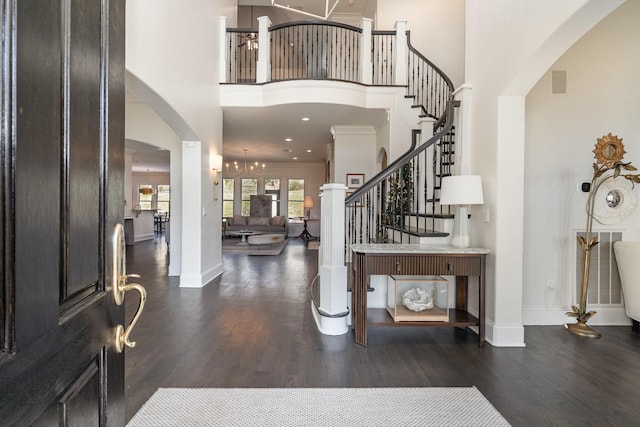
<point>613,198</point>
<point>609,150</point>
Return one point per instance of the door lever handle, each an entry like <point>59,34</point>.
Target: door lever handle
<point>120,286</point>
<point>122,335</point>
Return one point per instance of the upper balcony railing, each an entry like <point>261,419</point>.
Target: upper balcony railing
<point>312,50</point>
<point>333,51</point>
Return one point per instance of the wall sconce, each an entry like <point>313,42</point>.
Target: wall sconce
<point>215,162</point>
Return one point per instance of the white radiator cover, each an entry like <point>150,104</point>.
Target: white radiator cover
<point>605,289</point>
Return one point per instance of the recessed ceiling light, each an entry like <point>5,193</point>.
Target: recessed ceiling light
<point>288,139</point>
<point>305,119</point>
<point>295,158</point>
<point>308,151</point>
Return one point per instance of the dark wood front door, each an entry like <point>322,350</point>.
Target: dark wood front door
<point>62,195</point>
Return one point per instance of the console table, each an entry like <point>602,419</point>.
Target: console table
<point>407,259</point>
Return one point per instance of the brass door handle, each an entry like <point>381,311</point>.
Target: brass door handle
<point>122,335</point>
<point>119,287</point>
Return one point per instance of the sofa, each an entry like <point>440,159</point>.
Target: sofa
<point>270,225</point>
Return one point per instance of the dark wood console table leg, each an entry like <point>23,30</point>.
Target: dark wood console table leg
<point>462,292</point>
<point>359,298</point>
<point>305,233</point>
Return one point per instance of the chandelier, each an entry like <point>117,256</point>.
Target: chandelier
<point>249,169</point>
<point>147,189</point>
<point>329,7</point>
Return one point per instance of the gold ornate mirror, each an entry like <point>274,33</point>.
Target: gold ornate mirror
<point>609,150</point>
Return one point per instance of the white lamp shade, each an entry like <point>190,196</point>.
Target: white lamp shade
<point>461,190</point>
<point>308,201</point>
<point>215,162</point>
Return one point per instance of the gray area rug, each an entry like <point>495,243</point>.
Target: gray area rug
<point>231,246</point>
<point>439,406</point>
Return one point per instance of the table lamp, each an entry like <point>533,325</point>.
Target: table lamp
<point>308,204</point>
<point>461,190</point>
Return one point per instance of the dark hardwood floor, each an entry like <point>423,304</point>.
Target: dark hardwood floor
<point>252,327</point>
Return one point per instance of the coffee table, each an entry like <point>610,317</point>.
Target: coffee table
<point>244,234</point>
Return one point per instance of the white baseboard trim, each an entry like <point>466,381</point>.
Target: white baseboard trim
<point>199,281</point>
<point>605,316</point>
<point>504,335</point>
<point>211,273</point>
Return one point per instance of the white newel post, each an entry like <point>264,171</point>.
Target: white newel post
<point>332,313</point>
<point>366,66</point>
<point>263,67</point>
<point>223,49</point>
<point>400,60</point>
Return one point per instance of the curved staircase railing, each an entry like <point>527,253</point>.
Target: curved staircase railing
<point>427,84</point>
<point>400,203</point>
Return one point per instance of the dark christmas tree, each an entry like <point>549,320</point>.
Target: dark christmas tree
<point>399,197</point>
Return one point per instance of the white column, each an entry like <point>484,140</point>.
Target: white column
<point>175,221</point>
<point>263,67</point>
<point>191,271</point>
<point>222,45</point>
<point>333,272</point>
<point>508,330</point>
<point>400,60</point>
<point>366,66</point>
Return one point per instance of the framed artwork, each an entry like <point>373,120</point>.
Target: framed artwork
<point>355,180</point>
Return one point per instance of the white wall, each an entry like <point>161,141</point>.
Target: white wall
<point>437,30</point>
<point>602,96</point>
<point>355,150</point>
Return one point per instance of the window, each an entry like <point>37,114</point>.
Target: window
<point>227,196</point>
<point>272,188</point>
<point>249,188</point>
<point>163,198</point>
<point>295,208</point>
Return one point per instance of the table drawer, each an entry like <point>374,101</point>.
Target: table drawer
<point>448,265</point>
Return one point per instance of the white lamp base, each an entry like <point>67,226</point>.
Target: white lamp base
<point>460,238</point>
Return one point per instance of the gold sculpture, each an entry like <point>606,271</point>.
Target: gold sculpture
<point>609,152</point>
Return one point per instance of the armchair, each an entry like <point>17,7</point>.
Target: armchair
<point>627,256</point>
